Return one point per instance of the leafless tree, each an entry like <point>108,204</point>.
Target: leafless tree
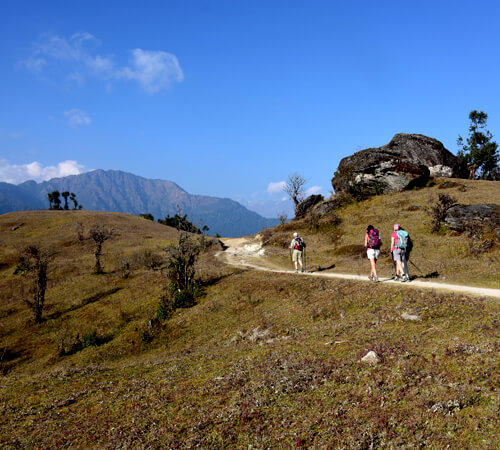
<point>33,264</point>
<point>282,217</point>
<point>294,187</point>
<point>438,210</point>
<point>100,234</point>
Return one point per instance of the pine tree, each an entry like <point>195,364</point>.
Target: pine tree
<point>480,153</point>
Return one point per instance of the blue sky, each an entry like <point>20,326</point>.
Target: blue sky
<point>228,98</point>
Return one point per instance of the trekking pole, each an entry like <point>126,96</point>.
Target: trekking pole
<point>412,263</point>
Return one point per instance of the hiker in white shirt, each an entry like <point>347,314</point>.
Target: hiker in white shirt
<point>298,245</point>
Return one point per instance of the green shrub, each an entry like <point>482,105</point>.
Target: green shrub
<point>70,345</point>
<point>90,340</point>
<point>149,260</point>
<point>182,223</point>
<point>439,209</point>
<point>146,336</point>
<point>181,259</point>
<point>165,308</point>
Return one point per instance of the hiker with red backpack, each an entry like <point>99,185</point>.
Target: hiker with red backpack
<point>400,240</point>
<point>372,245</point>
<point>298,246</point>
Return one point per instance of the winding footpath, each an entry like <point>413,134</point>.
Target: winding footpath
<point>248,252</point>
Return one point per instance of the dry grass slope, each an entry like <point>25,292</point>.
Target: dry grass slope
<point>260,361</point>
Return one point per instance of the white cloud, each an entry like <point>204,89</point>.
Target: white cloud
<point>100,65</point>
<point>275,187</point>
<point>153,70</point>
<point>313,190</point>
<point>15,174</point>
<point>35,64</point>
<point>77,77</point>
<point>77,117</point>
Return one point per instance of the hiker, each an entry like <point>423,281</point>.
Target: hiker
<point>408,249</point>
<point>372,245</point>
<point>298,245</point>
<point>399,242</point>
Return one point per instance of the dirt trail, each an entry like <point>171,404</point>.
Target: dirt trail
<point>248,252</point>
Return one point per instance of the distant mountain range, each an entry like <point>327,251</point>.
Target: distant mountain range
<point>112,190</point>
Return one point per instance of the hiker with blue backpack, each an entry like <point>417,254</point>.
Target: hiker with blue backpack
<point>297,246</point>
<point>372,245</point>
<point>400,247</point>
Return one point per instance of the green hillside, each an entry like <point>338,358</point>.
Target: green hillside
<point>262,360</point>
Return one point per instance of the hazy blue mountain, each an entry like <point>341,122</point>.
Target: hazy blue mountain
<point>112,190</point>
<point>15,198</point>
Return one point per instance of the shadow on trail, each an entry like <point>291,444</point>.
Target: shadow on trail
<point>321,269</point>
<point>430,275</point>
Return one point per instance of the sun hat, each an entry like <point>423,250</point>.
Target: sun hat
<point>295,234</point>
<point>396,226</point>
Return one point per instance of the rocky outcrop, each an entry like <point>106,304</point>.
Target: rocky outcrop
<point>306,205</point>
<point>407,161</point>
<point>326,207</point>
<point>429,152</point>
<point>462,217</point>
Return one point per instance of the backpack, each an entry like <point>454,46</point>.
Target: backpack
<point>402,239</point>
<point>298,244</point>
<point>374,239</point>
<point>409,247</point>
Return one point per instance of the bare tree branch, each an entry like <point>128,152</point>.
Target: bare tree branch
<point>294,187</point>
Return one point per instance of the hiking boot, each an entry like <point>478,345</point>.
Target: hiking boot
<point>370,277</point>
<point>405,278</point>
<point>396,278</point>
<point>302,270</point>
<point>375,279</point>
<point>296,270</point>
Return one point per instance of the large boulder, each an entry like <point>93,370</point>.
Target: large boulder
<point>306,205</point>
<point>407,161</point>
<point>326,207</point>
<point>462,217</point>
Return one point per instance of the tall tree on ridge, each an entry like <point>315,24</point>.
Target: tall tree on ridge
<point>480,153</point>
<point>54,200</point>
<point>65,195</point>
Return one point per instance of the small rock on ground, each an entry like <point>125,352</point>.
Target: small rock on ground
<point>370,358</point>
